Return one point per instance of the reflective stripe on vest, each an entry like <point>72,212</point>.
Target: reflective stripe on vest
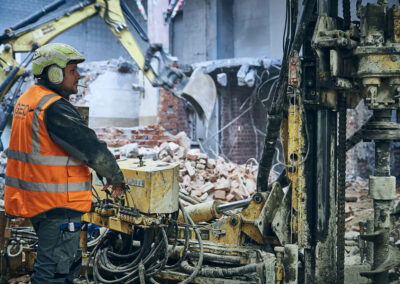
<point>35,124</point>
<point>46,187</point>
<point>42,160</point>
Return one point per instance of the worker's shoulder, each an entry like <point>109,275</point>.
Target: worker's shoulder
<point>60,107</point>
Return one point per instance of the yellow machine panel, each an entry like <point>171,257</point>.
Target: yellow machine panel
<point>153,185</point>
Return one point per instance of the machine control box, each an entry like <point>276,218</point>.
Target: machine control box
<point>153,185</point>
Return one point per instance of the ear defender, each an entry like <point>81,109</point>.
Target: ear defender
<point>55,74</point>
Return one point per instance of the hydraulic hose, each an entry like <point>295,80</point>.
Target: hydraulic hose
<point>37,15</point>
<point>160,266</point>
<point>9,78</point>
<point>132,273</point>
<point>196,271</point>
<point>106,265</point>
<point>275,113</point>
<point>186,245</point>
<point>92,253</point>
<point>223,272</point>
<point>9,254</point>
<point>110,267</point>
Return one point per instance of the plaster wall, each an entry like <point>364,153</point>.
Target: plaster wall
<point>209,30</point>
<point>112,101</point>
<point>251,30</point>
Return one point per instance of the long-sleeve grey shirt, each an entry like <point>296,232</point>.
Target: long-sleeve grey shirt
<point>66,128</point>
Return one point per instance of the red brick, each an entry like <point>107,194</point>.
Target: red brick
<point>171,103</point>
<point>172,115</point>
<point>164,108</point>
<point>169,126</point>
<point>230,197</point>
<point>173,120</point>
<point>157,138</point>
<point>151,143</point>
<point>163,120</point>
<point>153,126</point>
<point>159,132</point>
<point>219,195</point>
<point>146,131</point>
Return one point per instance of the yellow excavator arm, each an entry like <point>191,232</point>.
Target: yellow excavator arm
<point>112,13</point>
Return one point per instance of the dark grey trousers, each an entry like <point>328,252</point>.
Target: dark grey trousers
<point>58,257</point>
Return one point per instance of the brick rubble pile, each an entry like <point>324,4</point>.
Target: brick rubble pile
<point>201,178</point>
<point>204,178</point>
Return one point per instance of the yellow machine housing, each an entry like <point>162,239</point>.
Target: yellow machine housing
<point>153,185</point>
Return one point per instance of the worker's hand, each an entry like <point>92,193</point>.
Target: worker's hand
<point>116,189</point>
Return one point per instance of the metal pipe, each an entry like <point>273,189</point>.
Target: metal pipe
<point>233,205</point>
<point>290,263</point>
<point>382,207</point>
<point>370,245</point>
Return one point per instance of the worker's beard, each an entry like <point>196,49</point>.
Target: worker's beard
<point>63,92</point>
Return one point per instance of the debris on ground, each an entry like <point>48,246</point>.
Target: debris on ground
<point>201,177</point>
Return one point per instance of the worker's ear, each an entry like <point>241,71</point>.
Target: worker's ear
<point>55,74</point>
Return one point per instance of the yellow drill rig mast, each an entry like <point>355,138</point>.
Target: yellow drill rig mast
<point>342,63</point>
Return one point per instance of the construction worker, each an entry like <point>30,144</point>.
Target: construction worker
<point>47,176</point>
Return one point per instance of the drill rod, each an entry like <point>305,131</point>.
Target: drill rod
<point>233,205</point>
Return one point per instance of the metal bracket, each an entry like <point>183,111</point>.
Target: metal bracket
<point>269,210</point>
<point>382,188</point>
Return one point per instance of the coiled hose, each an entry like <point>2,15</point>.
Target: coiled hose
<point>131,274</point>
<point>145,262</point>
<point>10,254</point>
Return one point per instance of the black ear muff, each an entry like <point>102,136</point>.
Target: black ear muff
<point>55,74</point>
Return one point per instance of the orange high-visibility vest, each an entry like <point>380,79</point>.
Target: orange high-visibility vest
<point>41,175</point>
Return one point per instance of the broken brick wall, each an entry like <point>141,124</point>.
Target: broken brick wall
<point>149,136</point>
<point>173,115</point>
<point>240,141</point>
